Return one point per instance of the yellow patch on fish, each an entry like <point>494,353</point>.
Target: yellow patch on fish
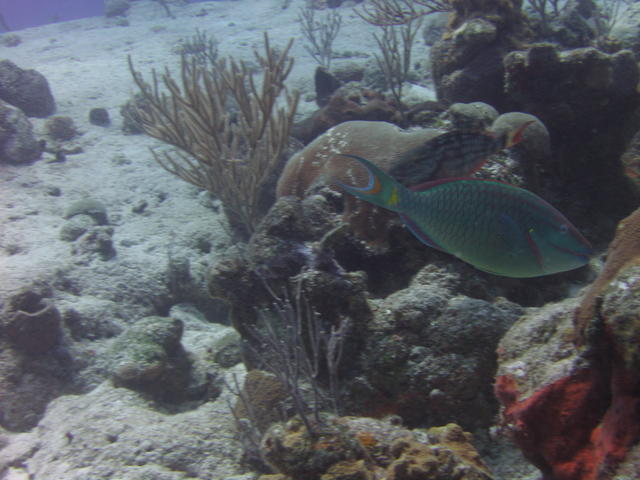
<point>393,199</point>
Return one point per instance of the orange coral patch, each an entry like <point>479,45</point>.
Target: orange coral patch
<point>573,429</point>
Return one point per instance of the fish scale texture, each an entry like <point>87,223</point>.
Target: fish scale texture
<point>496,227</point>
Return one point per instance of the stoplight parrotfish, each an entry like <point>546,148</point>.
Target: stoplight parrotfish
<point>458,153</point>
<point>496,227</point>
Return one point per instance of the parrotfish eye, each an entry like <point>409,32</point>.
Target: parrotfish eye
<point>564,228</point>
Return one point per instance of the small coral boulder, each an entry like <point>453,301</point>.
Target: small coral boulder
<point>26,89</point>
<point>18,143</point>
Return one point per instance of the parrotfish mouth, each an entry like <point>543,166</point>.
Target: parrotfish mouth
<point>584,257</point>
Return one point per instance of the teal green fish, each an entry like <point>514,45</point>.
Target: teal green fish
<point>496,227</point>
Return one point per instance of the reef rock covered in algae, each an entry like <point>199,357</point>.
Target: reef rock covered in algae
<point>366,448</point>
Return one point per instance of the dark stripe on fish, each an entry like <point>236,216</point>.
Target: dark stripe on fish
<point>452,154</point>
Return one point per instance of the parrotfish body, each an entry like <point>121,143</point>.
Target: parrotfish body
<point>453,154</point>
<point>496,227</point>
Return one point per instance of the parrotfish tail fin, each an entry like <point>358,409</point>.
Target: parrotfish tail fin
<point>381,189</point>
<point>515,136</point>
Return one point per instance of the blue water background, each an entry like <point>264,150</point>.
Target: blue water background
<point>21,14</point>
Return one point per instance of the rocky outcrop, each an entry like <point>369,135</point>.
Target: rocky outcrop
<point>18,143</point>
<point>435,352</point>
<point>114,8</point>
<point>150,358</point>
<point>347,104</point>
<point>35,366</point>
<point>31,321</point>
<point>26,89</point>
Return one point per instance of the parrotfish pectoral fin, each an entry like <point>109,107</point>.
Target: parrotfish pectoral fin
<point>420,234</point>
<point>381,189</point>
<point>515,237</point>
<point>509,229</point>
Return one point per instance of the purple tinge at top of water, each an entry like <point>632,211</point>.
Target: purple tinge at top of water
<point>19,14</point>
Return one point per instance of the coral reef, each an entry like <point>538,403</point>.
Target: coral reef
<point>357,448</point>
<point>419,352</point>
<point>574,411</point>
<point>582,96</point>
<point>573,92</point>
<point>206,134</point>
<point>466,62</point>
<point>318,163</point>
<point>572,25</point>
<point>379,142</point>
<point>418,314</point>
<point>435,352</point>
<point>384,144</point>
<point>624,252</point>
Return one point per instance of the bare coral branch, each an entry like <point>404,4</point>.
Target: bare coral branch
<point>395,55</point>
<point>400,12</point>
<point>320,34</point>
<point>291,341</point>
